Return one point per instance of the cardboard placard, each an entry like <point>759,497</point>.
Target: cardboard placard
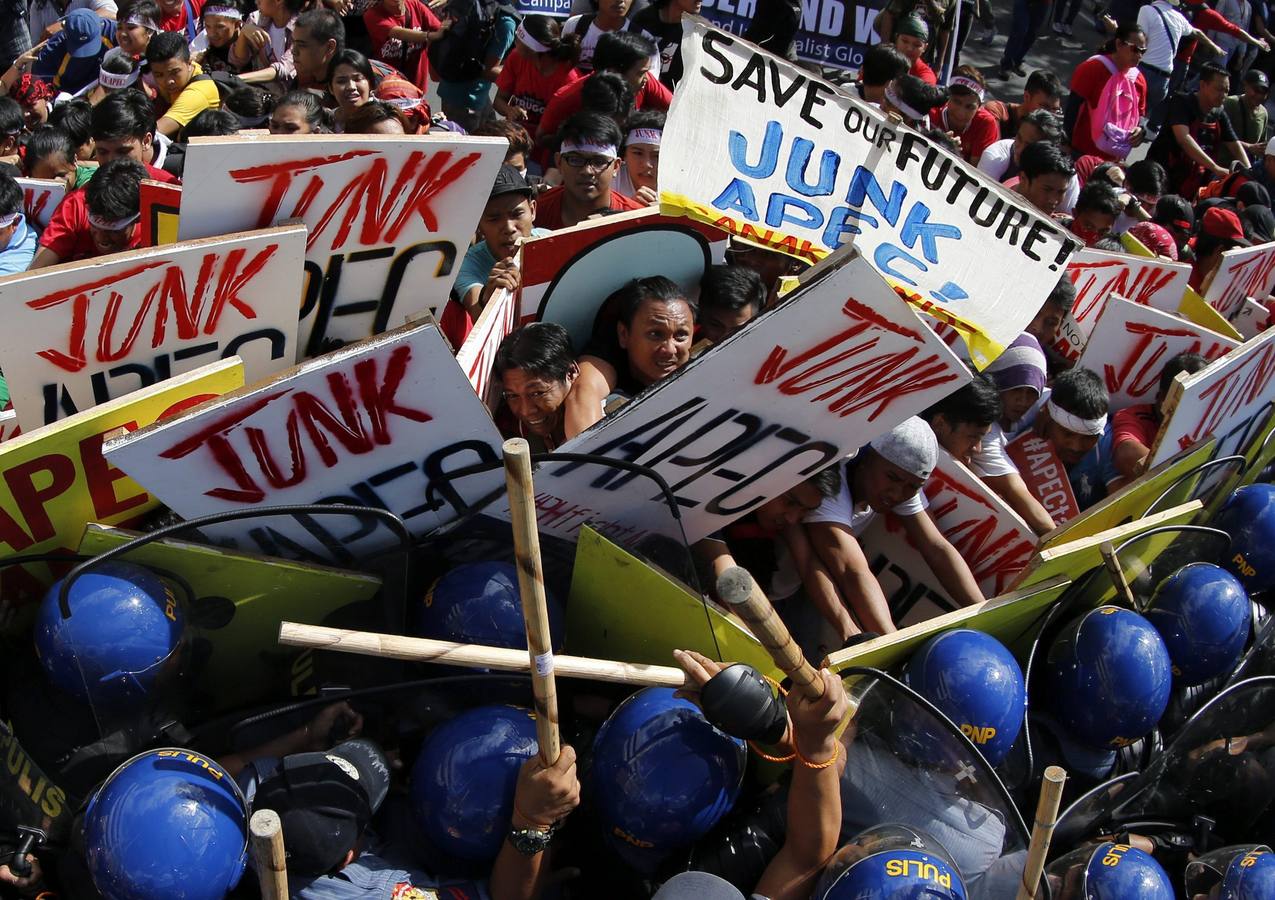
<point>567,274</point>
<point>1244,272</point>
<point>763,149</point>
<point>9,427</point>
<point>1251,319</point>
<point>478,352</point>
<point>55,479</point>
<point>377,423</point>
<point>991,538</point>
<point>1194,309</point>
<point>1131,344</point>
<point>1225,400</point>
<point>1044,474</point>
<point>83,333</point>
<point>840,361</point>
<point>389,217</point>
<point>160,206</point>
<point>40,198</point>
<point>240,668</point>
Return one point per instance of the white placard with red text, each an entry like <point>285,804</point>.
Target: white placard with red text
<point>83,333</point>
<point>478,351</point>
<point>1252,319</point>
<point>1045,475</point>
<point>1227,400</point>
<point>1244,272</point>
<point>840,361</point>
<point>376,423</point>
<point>389,217</point>
<point>40,197</point>
<point>1130,344</point>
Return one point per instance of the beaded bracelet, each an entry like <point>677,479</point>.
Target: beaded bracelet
<point>809,765</point>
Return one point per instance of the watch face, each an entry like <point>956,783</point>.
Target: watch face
<point>530,840</point>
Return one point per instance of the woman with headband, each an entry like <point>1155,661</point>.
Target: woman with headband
<point>963,115</point>
<point>400,30</point>
<point>138,22</point>
<point>541,63</point>
<point>640,154</point>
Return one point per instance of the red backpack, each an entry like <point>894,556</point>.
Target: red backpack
<point>1115,117</point>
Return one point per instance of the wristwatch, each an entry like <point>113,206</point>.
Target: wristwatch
<point>530,841</point>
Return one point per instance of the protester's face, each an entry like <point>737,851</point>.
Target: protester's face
<point>111,241</point>
<point>1091,224</point>
<point>637,74</point>
<point>394,7</point>
<point>221,30</point>
<point>910,46</point>
<point>643,163</point>
<point>1027,135</point>
<point>350,87</point>
<point>960,110</point>
<point>789,508</point>
<point>506,222</point>
<point>886,485</point>
<point>718,323</point>
<point>1045,192</point>
<point>1040,100</point>
<point>35,114</point>
<point>170,7</point>
<point>56,167</point>
<point>289,120</point>
<point>309,55</point>
<point>1213,91</point>
<point>771,265</point>
<point>537,400</point>
<point>1070,446</point>
<point>132,147</point>
<point>270,8</point>
<point>1046,325</point>
<point>616,8</point>
<point>960,440</point>
<point>171,76</point>
<point>133,39</point>
<point>659,342</point>
<point>1254,96</point>
<point>1129,53</point>
<point>587,177</point>
<point>687,6</point>
<point>1015,402</point>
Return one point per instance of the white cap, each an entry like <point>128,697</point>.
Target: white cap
<point>911,446</point>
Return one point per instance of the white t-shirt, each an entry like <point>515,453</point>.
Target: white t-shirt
<point>995,162</point>
<point>991,461</point>
<point>842,510</point>
<point>1163,34</point>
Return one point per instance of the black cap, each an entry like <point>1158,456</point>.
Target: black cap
<point>510,181</point>
<point>324,802</point>
<point>1174,210</point>
<point>1257,78</point>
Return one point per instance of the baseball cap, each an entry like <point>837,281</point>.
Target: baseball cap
<point>83,30</point>
<point>1174,210</point>
<point>697,886</point>
<point>510,181</point>
<point>325,801</point>
<point>913,25</point>
<point>1223,224</point>
<point>1257,78</point>
<point>1155,238</point>
<point>910,445</point>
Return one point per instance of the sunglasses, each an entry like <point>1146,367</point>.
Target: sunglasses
<point>1134,47</point>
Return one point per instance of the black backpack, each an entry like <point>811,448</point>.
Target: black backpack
<point>459,54</point>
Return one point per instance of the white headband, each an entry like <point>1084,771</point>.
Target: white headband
<point>644,136</point>
<point>112,225</point>
<point>12,219</point>
<point>226,12</point>
<point>969,84</point>
<point>527,39</point>
<point>114,80</point>
<point>145,21</point>
<point>599,149</point>
<point>902,107</point>
<point>1090,427</point>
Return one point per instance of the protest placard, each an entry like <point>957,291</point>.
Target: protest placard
<point>1044,475</point>
<point>55,479</point>
<point>376,423</point>
<point>389,217</point>
<point>83,333</point>
<point>1251,319</point>
<point>1226,400</point>
<point>479,350</point>
<point>1244,272</point>
<point>1130,345</point>
<point>160,205</point>
<point>9,427</point>
<point>840,361</point>
<point>566,275</point>
<point>991,538</point>
<point>761,148</point>
<point>40,197</point>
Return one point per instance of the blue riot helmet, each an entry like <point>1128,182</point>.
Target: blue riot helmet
<point>1110,871</point>
<point>891,862</point>
<point>1204,616</point>
<point>464,779</point>
<point>1250,876</point>
<point>479,603</point>
<point>124,629</point>
<point>1248,516</point>
<point>973,680</point>
<point>167,823</point>
<point>1110,677</point>
<point>662,776</point>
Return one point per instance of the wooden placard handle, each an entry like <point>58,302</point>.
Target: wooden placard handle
<point>1051,788</point>
<point>740,591</point>
<point>266,833</point>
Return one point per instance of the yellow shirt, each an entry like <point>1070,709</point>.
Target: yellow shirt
<point>195,97</point>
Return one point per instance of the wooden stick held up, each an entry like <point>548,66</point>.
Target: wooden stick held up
<point>473,656</point>
<point>738,589</point>
<point>1116,571</point>
<point>266,833</point>
<point>531,585</point>
<point>1051,788</point>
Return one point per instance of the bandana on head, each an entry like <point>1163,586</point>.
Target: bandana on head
<point>1021,365</point>
<point>112,224</point>
<point>145,21</point>
<point>898,103</point>
<point>30,90</point>
<point>644,136</point>
<point>969,84</point>
<point>607,150</point>
<point>523,35</point>
<point>223,10</point>
<point>1060,416</point>
<point>114,80</point>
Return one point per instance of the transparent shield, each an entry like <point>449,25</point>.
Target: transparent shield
<point>1082,819</point>
<point>1205,483</point>
<point>1149,558</point>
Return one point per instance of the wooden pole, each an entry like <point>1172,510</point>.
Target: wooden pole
<point>472,656</point>
<point>1051,788</point>
<point>1116,571</point>
<point>267,850</point>
<point>738,589</point>
<point>531,585</point>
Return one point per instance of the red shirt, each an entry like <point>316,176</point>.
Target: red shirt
<point>982,131</point>
<point>566,102</point>
<point>179,21</point>
<point>549,207</point>
<point>67,233</point>
<point>406,57</point>
<point>1088,82</point>
<point>155,174</point>
<point>923,72</point>
<point>1134,423</point>
<point>529,89</point>
<point>1205,19</point>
